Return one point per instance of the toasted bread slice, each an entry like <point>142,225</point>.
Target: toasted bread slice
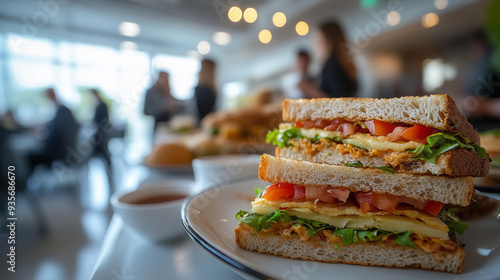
<point>448,190</point>
<point>437,111</point>
<point>457,162</point>
<point>382,253</point>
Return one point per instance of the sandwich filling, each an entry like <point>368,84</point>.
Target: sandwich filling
<point>395,143</point>
<point>345,218</point>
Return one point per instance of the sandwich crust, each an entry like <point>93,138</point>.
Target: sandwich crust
<point>383,253</point>
<point>448,190</point>
<point>437,111</point>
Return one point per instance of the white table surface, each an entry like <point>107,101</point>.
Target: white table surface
<point>126,256</point>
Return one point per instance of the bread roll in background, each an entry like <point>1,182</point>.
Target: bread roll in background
<point>170,153</point>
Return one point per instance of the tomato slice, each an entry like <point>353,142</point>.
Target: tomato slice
<point>321,123</point>
<point>385,202</point>
<point>418,133</point>
<point>379,128</point>
<point>299,124</point>
<point>279,191</point>
<point>434,207</point>
<point>340,194</point>
<point>364,201</point>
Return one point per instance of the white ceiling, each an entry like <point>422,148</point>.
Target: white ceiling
<point>176,26</point>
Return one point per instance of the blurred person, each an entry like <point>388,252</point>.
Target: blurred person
<point>301,73</point>
<point>102,124</point>
<point>62,135</point>
<point>205,92</point>
<point>338,76</point>
<point>9,121</point>
<point>159,102</point>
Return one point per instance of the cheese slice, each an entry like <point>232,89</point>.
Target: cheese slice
<point>353,217</point>
<point>361,140</point>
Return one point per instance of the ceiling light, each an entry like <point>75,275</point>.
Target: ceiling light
<point>203,47</point>
<point>440,4</point>
<point>129,29</point>
<point>429,20</point>
<point>234,14</point>
<point>250,15</point>
<point>279,19</point>
<point>221,38</point>
<point>393,18</point>
<point>265,36</point>
<point>128,45</point>
<point>302,28</point>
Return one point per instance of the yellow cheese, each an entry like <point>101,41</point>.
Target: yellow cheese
<point>380,220</point>
<point>379,143</point>
<point>361,140</point>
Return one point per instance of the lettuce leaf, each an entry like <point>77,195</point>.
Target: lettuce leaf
<point>355,164</point>
<point>348,235</point>
<point>281,138</point>
<point>258,191</point>
<point>386,169</point>
<point>440,143</point>
<point>452,221</point>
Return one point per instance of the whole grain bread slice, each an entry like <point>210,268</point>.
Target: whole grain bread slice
<point>438,111</point>
<point>383,253</point>
<point>457,162</point>
<point>448,190</point>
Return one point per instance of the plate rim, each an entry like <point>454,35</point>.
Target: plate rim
<point>210,248</point>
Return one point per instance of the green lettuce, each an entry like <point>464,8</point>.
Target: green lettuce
<point>440,143</point>
<point>355,164</point>
<point>281,138</point>
<point>258,191</point>
<point>348,235</point>
<point>386,169</point>
<point>452,221</point>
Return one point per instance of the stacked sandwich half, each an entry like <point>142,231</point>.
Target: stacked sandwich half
<point>364,181</point>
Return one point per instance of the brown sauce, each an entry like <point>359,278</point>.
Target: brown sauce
<point>158,199</point>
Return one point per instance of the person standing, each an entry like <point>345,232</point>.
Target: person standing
<point>338,76</point>
<point>205,92</point>
<point>159,102</point>
<point>103,127</point>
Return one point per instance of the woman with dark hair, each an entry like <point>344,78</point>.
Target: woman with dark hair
<point>205,92</point>
<point>338,76</point>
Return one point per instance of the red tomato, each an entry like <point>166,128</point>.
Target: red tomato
<point>335,124</point>
<point>364,201</point>
<point>279,191</point>
<point>299,192</point>
<point>321,123</point>
<point>418,133</point>
<point>309,124</point>
<point>434,207</point>
<point>413,202</point>
<point>299,124</point>
<point>340,194</point>
<point>385,202</point>
<point>379,128</point>
<point>395,135</point>
<point>347,129</point>
<point>321,193</point>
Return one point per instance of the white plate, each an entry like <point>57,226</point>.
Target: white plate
<point>209,218</point>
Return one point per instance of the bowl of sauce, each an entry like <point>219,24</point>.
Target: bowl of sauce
<point>153,210</point>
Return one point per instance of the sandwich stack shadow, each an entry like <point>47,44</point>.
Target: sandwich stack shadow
<point>368,182</point>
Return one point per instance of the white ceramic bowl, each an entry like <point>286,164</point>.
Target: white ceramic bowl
<point>210,171</point>
<point>158,221</point>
